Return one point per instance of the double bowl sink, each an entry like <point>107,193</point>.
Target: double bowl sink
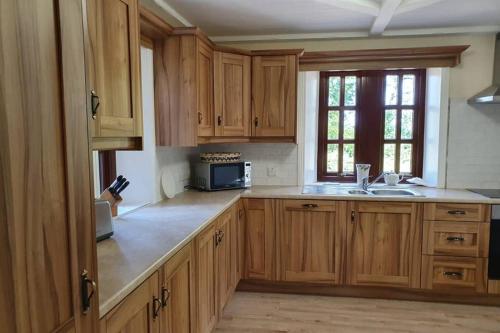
<point>355,191</point>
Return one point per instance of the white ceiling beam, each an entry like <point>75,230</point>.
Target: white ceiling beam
<point>409,5</point>
<point>385,15</point>
<point>369,7</point>
<point>170,10</point>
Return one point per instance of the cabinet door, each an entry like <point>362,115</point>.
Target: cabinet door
<point>311,234</point>
<point>384,244</point>
<point>232,94</point>
<point>205,66</point>
<point>177,293</point>
<point>274,95</point>
<point>260,239</point>
<point>240,230</point>
<point>47,237</point>
<point>137,312</point>
<point>115,73</point>
<point>226,257</point>
<point>205,280</point>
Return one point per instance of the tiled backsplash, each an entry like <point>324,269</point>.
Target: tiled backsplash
<point>272,163</point>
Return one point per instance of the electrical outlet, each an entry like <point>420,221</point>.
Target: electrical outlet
<point>271,171</point>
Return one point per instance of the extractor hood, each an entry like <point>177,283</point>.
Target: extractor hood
<point>491,95</point>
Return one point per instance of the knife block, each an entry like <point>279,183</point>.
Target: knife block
<point>114,201</point>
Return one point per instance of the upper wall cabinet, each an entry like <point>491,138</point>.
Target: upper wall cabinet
<point>183,65</point>
<point>274,95</point>
<point>232,74</point>
<point>113,61</point>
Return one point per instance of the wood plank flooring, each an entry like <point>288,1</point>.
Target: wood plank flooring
<point>276,313</point>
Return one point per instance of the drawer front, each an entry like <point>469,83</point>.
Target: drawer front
<point>456,212</point>
<point>456,238</point>
<point>454,273</point>
<point>312,205</point>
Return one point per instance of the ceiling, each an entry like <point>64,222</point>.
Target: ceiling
<point>249,19</point>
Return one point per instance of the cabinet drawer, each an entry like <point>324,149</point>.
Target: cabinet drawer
<point>313,205</point>
<point>456,238</point>
<point>456,212</point>
<point>454,273</point>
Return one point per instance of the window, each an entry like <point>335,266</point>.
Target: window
<point>373,117</point>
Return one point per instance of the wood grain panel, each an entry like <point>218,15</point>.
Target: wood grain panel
<point>41,91</point>
<point>205,280</point>
<point>226,258</point>
<point>135,313</point>
<point>451,273</point>
<point>274,95</point>
<point>260,239</point>
<point>175,67</point>
<point>457,212</point>
<point>384,244</point>
<point>177,284</point>
<point>232,77</point>
<point>241,229</point>
<point>456,238</point>
<point>205,89</point>
<point>311,234</point>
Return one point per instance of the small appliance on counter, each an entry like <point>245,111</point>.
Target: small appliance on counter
<point>221,171</point>
<point>106,206</point>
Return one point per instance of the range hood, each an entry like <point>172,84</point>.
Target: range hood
<point>491,95</point>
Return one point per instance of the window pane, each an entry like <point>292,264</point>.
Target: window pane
<point>407,124</point>
<point>389,157</point>
<point>332,158</point>
<point>391,89</point>
<point>348,159</point>
<point>390,124</point>
<point>333,125</point>
<point>408,89</point>
<point>334,91</point>
<point>349,124</point>
<point>350,91</point>
<point>405,155</point>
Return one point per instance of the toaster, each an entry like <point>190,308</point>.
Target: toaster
<point>103,224</point>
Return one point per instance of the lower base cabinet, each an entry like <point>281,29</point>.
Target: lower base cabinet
<point>138,313</point>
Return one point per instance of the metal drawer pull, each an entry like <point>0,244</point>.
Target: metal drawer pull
<point>310,206</point>
<point>165,295</point>
<point>453,274</point>
<point>456,212</point>
<point>156,307</point>
<point>455,239</point>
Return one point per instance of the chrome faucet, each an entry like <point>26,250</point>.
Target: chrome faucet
<point>365,185</point>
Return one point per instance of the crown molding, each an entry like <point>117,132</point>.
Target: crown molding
<point>358,34</point>
<point>170,10</point>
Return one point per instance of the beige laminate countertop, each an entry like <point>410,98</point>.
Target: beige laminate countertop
<point>145,239</point>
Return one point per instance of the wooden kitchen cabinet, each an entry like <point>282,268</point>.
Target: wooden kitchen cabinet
<point>311,237</point>
<point>232,90</point>
<point>241,233</point>
<point>113,71</point>
<point>260,253</point>
<point>138,312</point>
<point>384,241</point>
<point>205,91</point>
<point>274,95</point>
<point>177,293</point>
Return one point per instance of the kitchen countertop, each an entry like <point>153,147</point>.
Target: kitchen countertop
<point>145,239</point>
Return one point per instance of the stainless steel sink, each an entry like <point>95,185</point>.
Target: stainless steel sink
<point>358,192</point>
<point>391,192</point>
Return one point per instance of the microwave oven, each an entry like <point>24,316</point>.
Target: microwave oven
<point>222,176</point>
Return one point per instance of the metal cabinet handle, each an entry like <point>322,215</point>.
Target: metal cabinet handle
<point>219,120</point>
<point>456,212</point>
<point>86,296</point>
<point>241,213</point>
<point>94,101</point>
<point>256,121</point>
<point>455,239</point>
<point>310,206</point>
<point>157,305</point>
<point>200,117</point>
<point>453,274</point>
<point>165,296</point>
<point>353,217</point>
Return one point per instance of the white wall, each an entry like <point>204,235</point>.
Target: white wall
<point>144,168</point>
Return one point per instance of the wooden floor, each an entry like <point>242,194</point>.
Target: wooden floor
<point>265,313</point>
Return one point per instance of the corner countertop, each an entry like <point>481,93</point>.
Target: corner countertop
<point>145,239</point>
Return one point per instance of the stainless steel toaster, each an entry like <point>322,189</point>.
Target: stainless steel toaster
<point>103,224</point>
